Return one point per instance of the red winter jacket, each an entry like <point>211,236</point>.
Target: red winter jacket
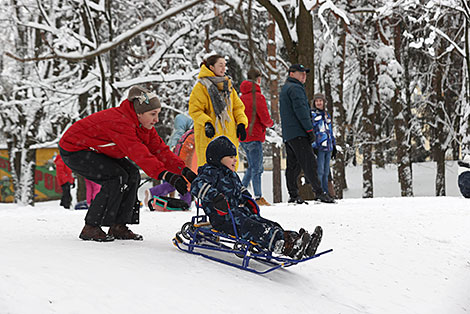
<point>63,173</point>
<point>263,119</point>
<point>116,132</point>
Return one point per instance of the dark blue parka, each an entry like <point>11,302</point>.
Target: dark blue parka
<point>213,180</point>
<point>295,110</point>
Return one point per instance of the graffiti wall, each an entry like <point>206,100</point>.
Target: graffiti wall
<point>46,187</point>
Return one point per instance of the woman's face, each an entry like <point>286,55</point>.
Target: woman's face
<point>219,67</point>
<point>229,162</point>
<point>149,118</point>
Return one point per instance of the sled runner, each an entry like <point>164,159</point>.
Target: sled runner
<point>199,238</point>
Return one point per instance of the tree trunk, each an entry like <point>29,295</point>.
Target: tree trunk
<point>339,119</point>
<point>274,92</point>
<point>368,127</point>
<point>401,125</point>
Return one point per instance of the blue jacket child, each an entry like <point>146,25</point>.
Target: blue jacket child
<point>219,189</point>
<point>322,126</point>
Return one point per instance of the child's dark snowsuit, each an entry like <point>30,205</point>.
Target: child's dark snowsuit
<point>214,179</point>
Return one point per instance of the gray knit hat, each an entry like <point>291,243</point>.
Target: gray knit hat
<point>143,99</point>
<point>319,96</point>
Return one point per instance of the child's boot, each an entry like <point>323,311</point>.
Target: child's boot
<point>314,242</point>
<point>295,243</point>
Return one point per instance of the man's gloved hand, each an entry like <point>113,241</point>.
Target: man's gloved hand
<point>333,154</point>
<point>210,131</point>
<point>72,185</point>
<point>188,174</point>
<point>220,204</point>
<point>311,136</point>
<point>315,151</point>
<point>241,132</point>
<point>176,180</point>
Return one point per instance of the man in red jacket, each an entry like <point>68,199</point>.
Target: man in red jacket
<point>96,147</point>
<point>259,119</point>
<point>65,179</point>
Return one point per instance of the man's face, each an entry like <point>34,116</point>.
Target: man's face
<point>300,76</point>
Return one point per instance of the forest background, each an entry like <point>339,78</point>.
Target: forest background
<point>395,73</point>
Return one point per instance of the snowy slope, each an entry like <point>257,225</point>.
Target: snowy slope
<point>391,255</point>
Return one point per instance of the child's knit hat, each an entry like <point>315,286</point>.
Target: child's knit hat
<point>143,99</point>
<point>218,148</point>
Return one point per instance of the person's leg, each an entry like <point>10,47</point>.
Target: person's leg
<point>248,171</point>
<point>292,171</point>
<point>321,168</point>
<point>105,171</point>
<point>257,167</point>
<point>262,231</point>
<point>89,191</point>
<point>307,161</point>
<point>326,167</point>
<point>66,199</point>
<point>129,193</point>
<point>186,197</point>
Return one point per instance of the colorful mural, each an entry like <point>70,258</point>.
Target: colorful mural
<point>46,187</point>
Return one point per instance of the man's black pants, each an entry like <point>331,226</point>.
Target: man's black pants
<point>119,180</point>
<point>300,156</point>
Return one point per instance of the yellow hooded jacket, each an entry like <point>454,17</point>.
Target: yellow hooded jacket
<point>201,111</point>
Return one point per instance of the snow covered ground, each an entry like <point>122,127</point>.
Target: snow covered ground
<point>391,255</point>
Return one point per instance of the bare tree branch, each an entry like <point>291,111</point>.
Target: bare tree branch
<point>103,48</point>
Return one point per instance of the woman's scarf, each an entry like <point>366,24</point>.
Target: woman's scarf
<point>219,89</point>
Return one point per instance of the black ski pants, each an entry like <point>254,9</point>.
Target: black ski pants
<point>119,180</point>
<point>300,156</point>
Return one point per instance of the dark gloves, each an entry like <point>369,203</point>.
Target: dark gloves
<point>241,132</point>
<point>176,180</point>
<point>210,131</point>
<point>220,204</point>
<point>73,185</point>
<point>252,206</point>
<point>311,136</point>
<point>188,174</point>
<point>315,151</point>
<point>333,154</point>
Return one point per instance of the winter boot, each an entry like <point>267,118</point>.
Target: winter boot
<point>295,243</point>
<point>324,198</point>
<point>261,201</point>
<point>314,242</point>
<point>94,234</point>
<point>296,200</point>
<point>122,232</point>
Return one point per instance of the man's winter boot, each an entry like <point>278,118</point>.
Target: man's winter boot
<point>122,232</point>
<point>296,200</point>
<point>314,242</point>
<point>324,198</point>
<point>94,234</point>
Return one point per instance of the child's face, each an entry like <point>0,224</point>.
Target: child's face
<point>229,162</point>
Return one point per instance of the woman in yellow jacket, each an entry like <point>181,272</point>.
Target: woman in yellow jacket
<point>215,107</point>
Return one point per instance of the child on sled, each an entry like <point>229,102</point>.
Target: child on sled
<point>219,190</point>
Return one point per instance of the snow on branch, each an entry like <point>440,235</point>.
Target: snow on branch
<point>453,43</point>
<point>103,48</point>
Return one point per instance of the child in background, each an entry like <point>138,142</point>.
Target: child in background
<point>65,180</point>
<point>324,144</point>
<point>219,189</point>
<point>181,142</point>
<point>92,189</point>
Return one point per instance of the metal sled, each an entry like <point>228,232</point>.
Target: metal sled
<point>199,238</point>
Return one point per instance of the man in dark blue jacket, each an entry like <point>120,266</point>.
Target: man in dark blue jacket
<point>297,133</point>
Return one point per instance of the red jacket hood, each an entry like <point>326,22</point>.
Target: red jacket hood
<point>246,87</point>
